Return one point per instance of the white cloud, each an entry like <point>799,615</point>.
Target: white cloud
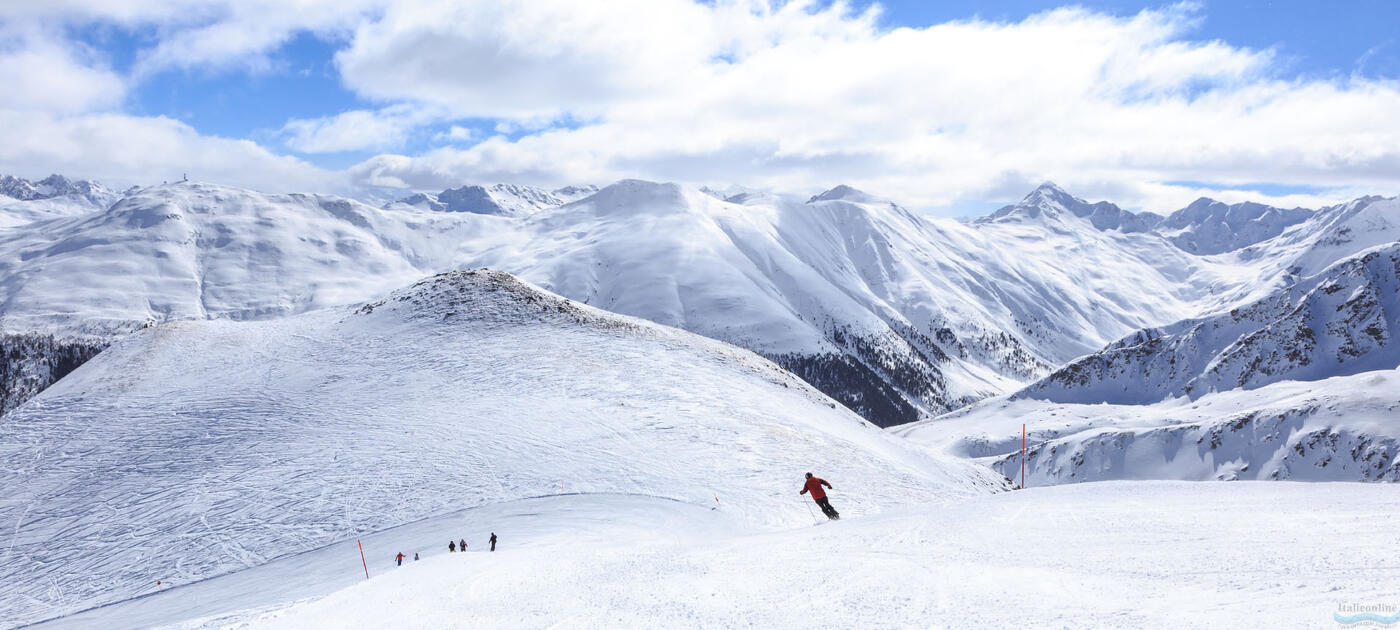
<point>797,96</point>
<point>39,71</point>
<point>455,134</point>
<point>355,130</point>
<point>122,150</point>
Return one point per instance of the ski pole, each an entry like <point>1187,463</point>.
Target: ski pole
<point>809,510</point>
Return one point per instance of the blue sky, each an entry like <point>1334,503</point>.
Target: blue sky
<point>363,94</point>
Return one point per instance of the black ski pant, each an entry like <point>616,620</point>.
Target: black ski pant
<point>829,511</point>
<point>493,545</point>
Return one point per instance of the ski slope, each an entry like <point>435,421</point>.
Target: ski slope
<point>1108,555</point>
<point>202,448</point>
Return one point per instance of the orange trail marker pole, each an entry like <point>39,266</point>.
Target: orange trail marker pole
<point>362,558</point>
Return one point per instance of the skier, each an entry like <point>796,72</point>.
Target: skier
<point>399,558</point>
<point>451,547</point>
<point>814,486</point>
<point>493,541</point>
<point>462,545</point>
<point>415,556</point>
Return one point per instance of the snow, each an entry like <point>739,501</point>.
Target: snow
<point>201,448</point>
<point>1344,428</point>
<point>1107,555</point>
<point>496,199</point>
<point>934,309</point>
<point>284,382</point>
<point>1340,321</point>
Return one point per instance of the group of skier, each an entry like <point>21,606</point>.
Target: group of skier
<point>452,547</point>
<point>813,486</point>
<point>461,545</point>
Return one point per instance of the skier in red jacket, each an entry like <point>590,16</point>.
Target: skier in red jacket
<point>814,486</point>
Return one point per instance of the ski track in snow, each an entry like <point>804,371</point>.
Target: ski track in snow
<point>1104,555</point>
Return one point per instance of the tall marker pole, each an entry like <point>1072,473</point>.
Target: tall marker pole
<point>362,558</point>
<point>1023,462</point>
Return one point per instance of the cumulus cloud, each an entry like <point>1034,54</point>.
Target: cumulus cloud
<point>62,111</point>
<point>355,130</point>
<point>40,72</point>
<point>793,96</point>
<point>799,97</point>
<point>121,149</point>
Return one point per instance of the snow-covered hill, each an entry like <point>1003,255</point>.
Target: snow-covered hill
<point>199,448</point>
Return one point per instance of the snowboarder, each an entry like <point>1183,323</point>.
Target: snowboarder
<point>493,541</point>
<point>399,558</point>
<point>415,556</point>
<point>462,545</point>
<point>451,547</point>
<point>814,486</point>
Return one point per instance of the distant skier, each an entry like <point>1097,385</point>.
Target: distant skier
<point>451,547</point>
<point>814,486</point>
<point>462,545</point>
<point>399,558</point>
<point>493,541</point>
<point>415,556</point>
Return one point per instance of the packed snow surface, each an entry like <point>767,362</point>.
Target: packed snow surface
<point>1108,555</point>
<point>196,449</point>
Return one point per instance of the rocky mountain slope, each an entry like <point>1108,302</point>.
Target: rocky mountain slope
<point>1340,321</point>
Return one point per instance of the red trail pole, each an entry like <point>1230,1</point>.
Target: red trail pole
<point>362,558</point>
<point>1023,462</point>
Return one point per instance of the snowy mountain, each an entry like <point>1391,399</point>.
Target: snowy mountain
<point>1340,321</point>
<point>1208,226</point>
<point>21,189</point>
<point>896,316</point>
<point>1051,201</point>
<point>497,199</point>
<point>23,201</point>
<point>1298,383</point>
<point>194,449</point>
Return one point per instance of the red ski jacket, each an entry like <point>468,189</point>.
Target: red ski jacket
<point>814,486</point>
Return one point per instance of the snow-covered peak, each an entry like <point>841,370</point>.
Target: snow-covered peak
<point>52,186</point>
<point>846,193</point>
<point>1049,193</point>
<point>1340,321</point>
<point>638,196</point>
<point>1208,226</point>
<point>1049,202</point>
<point>574,193</point>
<point>496,199</point>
